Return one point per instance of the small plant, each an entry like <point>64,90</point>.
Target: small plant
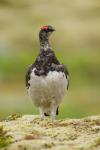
<point>5,139</point>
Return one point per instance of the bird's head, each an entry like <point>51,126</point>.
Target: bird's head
<point>46,31</point>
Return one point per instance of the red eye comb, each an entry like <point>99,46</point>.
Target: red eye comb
<point>44,28</point>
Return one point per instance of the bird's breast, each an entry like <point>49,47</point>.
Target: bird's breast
<point>47,88</point>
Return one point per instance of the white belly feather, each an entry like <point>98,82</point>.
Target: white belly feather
<point>44,90</point>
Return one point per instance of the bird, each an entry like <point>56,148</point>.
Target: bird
<point>47,80</point>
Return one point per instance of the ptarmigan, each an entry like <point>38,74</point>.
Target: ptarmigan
<point>47,79</point>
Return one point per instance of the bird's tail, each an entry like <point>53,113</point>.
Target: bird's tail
<point>57,111</point>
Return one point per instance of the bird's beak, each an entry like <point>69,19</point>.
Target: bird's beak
<point>53,30</point>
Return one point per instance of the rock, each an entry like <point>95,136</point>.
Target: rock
<point>29,132</point>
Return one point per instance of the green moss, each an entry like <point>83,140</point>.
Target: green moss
<point>13,117</point>
<point>48,145</point>
<point>5,139</point>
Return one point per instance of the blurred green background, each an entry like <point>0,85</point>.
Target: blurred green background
<point>76,43</point>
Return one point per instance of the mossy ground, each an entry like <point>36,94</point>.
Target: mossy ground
<point>29,132</point>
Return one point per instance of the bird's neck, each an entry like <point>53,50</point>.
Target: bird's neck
<point>44,44</point>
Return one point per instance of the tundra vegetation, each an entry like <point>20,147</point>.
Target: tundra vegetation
<point>29,132</point>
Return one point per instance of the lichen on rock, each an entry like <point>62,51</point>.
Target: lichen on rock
<point>29,132</point>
